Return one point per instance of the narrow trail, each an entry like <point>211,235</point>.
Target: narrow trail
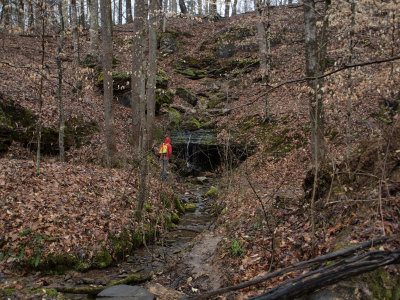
<point>181,261</point>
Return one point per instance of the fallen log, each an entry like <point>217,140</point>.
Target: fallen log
<point>301,265</point>
<point>320,278</point>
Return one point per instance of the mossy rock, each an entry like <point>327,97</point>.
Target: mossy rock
<point>162,79</point>
<point>382,284</point>
<point>175,218</point>
<point>175,117</point>
<point>192,73</point>
<point>103,259</point>
<point>212,193</point>
<point>164,98</point>
<point>168,222</point>
<point>168,42</point>
<point>196,68</point>
<point>186,95</point>
<point>121,81</point>
<point>190,207</point>
<point>179,206</point>
<point>191,124</point>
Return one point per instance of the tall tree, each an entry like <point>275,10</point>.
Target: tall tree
<point>21,15</point>
<point>152,68</point>
<point>212,7</point>
<point>83,15</point>
<point>128,6</point>
<point>94,29</point>
<point>182,6</point>
<point>31,17</point>
<point>174,6</point>
<point>119,12</point>
<point>106,32</point>
<point>138,70</point>
<point>75,33</point>
<point>227,6</point>
<point>234,7</point>
<point>39,124</point>
<point>200,7</point>
<point>349,75</point>
<point>61,134</point>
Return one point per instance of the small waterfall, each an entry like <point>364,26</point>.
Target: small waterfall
<point>187,154</point>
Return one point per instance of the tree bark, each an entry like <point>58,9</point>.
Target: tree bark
<point>152,69</point>
<point>200,7</point>
<point>82,17</point>
<point>94,29</point>
<point>138,71</point>
<point>227,6</point>
<point>174,6</point>
<point>182,6</point>
<point>120,12</point>
<point>21,15</point>
<point>128,4</point>
<point>75,34</point>
<point>234,7</point>
<point>59,87</point>
<point>212,7</point>
<point>106,30</point>
<point>39,126</point>
<point>349,77</point>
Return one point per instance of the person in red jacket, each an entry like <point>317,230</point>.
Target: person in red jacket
<point>165,152</point>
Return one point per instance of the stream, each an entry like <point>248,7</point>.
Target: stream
<point>154,257</point>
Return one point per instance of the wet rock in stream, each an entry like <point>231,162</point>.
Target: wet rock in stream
<point>125,292</point>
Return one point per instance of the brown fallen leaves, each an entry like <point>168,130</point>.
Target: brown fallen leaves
<point>65,209</point>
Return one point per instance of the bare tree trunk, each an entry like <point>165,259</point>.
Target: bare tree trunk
<point>82,18</point>
<point>152,69</point>
<point>267,116</point>
<point>213,7</point>
<point>207,7</point>
<point>113,11</point>
<point>39,126</point>
<point>6,11</point>
<point>21,15</point>
<point>174,6</point>
<point>227,6</point>
<point>314,105</point>
<point>75,34</point>
<point>138,71</point>
<point>120,12</point>
<point>234,7</point>
<point>182,6</point>
<point>200,7</point>
<point>31,20</point>
<point>106,30</point>
<point>128,5</point>
<point>94,29</point>
<point>246,8</point>
<point>59,87</point>
<point>349,76</point>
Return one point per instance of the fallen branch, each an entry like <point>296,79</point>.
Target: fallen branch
<point>94,290</point>
<point>301,265</point>
<point>342,270</point>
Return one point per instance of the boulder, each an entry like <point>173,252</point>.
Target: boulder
<point>187,96</point>
<point>125,292</point>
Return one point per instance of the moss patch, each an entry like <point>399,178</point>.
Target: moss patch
<point>178,206</point>
<point>190,207</point>
<point>212,193</point>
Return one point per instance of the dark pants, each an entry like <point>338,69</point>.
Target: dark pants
<point>164,165</point>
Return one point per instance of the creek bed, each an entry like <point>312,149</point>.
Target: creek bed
<point>153,257</point>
